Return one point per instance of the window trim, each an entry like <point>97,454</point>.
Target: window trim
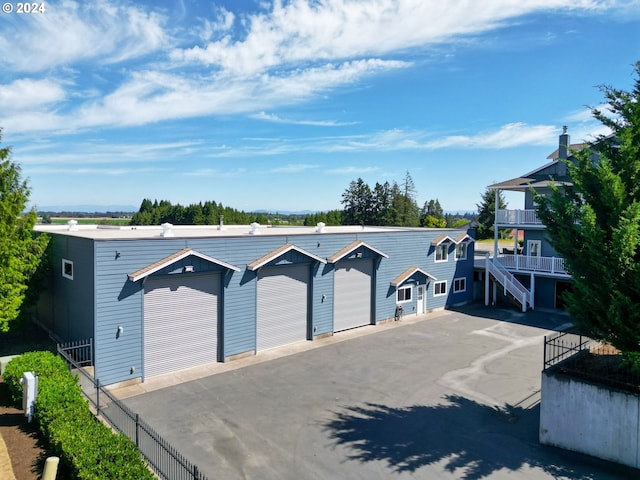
<point>463,280</point>
<point>465,248</point>
<point>404,288</point>
<point>66,263</point>
<point>445,250</point>
<point>435,285</point>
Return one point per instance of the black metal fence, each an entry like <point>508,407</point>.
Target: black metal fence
<point>563,345</point>
<point>165,461</point>
<point>579,356</point>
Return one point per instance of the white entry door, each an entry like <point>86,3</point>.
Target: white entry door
<point>420,299</point>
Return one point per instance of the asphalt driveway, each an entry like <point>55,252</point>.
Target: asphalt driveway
<point>452,396</point>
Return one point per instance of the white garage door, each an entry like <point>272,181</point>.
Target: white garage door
<point>352,294</point>
<point>180,322</point>
<point>282,305</point>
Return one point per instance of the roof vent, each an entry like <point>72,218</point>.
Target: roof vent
<point>221,224</point>
<point>166,230</point>
<point>73,225</point>
<point>255,228</point>
<point>320,227</point>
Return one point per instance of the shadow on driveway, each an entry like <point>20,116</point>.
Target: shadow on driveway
<point>471,439</point>
<point>544,319</point>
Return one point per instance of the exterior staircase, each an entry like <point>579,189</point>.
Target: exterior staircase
<point>510,283</point>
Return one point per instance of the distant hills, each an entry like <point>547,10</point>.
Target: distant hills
<point>86,208</point>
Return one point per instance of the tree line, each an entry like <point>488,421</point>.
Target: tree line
<point>207,213</point>
<point>388,204</point>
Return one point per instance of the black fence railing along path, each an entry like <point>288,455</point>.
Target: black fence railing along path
<point>165,461</point>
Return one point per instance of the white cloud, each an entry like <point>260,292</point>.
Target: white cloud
<point>352,170</point>
<point>72,31</point>
<point>507,136</point>
<point>87,153</point>
<point>26,93</point>
<point>212,172</point>
<point>152,96</point>
<point>294,168</point>
<point>284,54</point>
<point>326,30</point>
<point>269,117</point>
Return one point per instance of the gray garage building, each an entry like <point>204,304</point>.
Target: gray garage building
<point>160,299</point>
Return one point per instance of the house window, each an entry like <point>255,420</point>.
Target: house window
<point>461,251</point>
<point>67,269</point>
<point>440,288</point>
<point>403,294</point>
<point>442,252</point>
<point>459,285</point>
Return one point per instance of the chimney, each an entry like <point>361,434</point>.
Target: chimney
<point>563,144</point>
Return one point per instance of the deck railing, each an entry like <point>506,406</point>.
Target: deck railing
<point>553,265</point>
<point>517,217</point>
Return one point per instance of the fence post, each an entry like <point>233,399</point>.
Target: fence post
<point>137,430</point>
<point>195,472</point>
<point>544,354</point>
<point>98,396</point>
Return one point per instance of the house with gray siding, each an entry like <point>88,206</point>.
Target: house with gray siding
<point>532,272</point>
<point>160,299</point>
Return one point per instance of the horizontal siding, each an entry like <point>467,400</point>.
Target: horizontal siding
<point>120,302</point>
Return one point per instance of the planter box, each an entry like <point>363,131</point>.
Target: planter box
<point>589,418</point>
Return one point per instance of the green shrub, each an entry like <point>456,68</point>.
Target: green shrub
<point>87,448</point>
<point>42,364</point>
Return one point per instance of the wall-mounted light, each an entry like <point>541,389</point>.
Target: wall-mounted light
<point>117,254</point>
<point>359,255</point>
<point>120,331</point>
<point>324,297</point>
<point>187,269</point>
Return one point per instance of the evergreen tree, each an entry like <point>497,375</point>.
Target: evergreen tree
<point>408,209</point>
<point>381,204</point>
<point>357,201</point>
<point>432,215</point>
<point>487,213</point>
<point>595,225</point>
<point>21,251</point>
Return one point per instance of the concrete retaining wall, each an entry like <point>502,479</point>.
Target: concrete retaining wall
<point>589,418</point>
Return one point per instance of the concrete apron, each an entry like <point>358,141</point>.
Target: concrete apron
<point>123,391</point>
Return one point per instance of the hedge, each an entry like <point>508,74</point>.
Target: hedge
<point>87,448</point>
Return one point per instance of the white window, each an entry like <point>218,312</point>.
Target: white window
<point>440,288</point>
<point>403,294</point>
<point>459,285</point>
<point>441,252</point>
<point>67,269</point>
<point>461,251</point>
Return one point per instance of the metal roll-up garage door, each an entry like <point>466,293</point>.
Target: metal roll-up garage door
<point>282,305</point>
<point>180,322</point>
<point>352,294</point>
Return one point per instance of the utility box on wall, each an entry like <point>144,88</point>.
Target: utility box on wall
<point>29,392</point>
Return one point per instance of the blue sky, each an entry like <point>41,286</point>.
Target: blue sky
<point>278,105</point>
